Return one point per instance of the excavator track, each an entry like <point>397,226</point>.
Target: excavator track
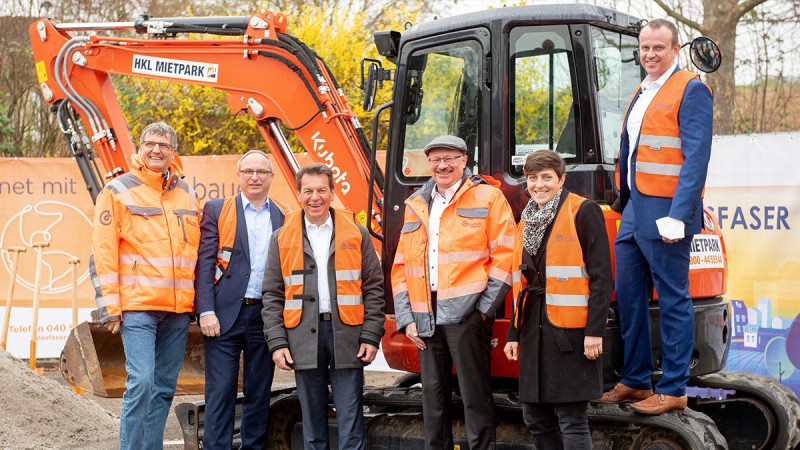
<point>614,427</point>
<point>751,411</point>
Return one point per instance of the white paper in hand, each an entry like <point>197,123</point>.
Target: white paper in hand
<point>671,228</point>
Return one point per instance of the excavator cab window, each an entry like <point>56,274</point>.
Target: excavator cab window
<point>542,94</point>
<point>442,96</point>
<point>616,74</point>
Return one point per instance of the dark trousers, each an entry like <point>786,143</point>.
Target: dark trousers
<point>641,264</point>
<point>222,380</point>
<point>468,346</point>
<point>558,426</point>
<point>347,386</point>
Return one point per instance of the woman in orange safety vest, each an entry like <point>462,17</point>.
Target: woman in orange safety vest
<point>562,286</point>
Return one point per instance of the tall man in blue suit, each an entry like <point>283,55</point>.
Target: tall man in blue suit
<point>666,145</point>
<point>233,250</point>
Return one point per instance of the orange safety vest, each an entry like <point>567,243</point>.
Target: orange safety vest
<point>226,226</point>
<point>659,156</point>
<point>347,260</point>
<point>567,281</point>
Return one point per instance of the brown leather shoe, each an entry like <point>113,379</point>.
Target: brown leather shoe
<point>659,404</point>
<point>621,393</point>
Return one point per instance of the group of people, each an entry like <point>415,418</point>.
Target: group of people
<point>303,290</point>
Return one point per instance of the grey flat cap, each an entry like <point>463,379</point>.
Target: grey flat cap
<point>447,142</point>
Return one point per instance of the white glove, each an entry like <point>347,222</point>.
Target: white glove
<point>670,228</point>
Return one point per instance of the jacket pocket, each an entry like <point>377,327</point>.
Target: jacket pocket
<point>187,219</point>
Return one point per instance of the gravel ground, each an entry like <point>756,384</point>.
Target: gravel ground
<point>50,416</point>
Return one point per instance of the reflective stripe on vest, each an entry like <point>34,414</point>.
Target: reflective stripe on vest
<point>226,226</point>
<point>347,262</point>
<point>567,281</point>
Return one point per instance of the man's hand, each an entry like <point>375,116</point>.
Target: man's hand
<point>592,347</point>
<point>413,336</point>
<point>209,325</point>
<point>671,230</point>
<point>511,350</point>
<point>367,352</point>
<point>113,326</point>
<point>282,358</point>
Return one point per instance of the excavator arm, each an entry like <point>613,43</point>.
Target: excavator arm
<point>266,73</point>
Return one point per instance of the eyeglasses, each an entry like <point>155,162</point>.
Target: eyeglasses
<point>150,145</point>
<point>260,172</point>
<point>446,160</point>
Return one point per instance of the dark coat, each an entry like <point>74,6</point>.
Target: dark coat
<point>224,298</point>
<point>302,340</point>
<point>552,367</point>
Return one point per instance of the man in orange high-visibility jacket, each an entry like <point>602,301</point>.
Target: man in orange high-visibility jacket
<point>451,272</point>
<point>323,308</point>
<point>144,250</point>
<point>665,149</point>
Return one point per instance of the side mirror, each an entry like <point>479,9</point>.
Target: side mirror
<point>370,86</point>
<point>705,54</point>
<point>376,75</point>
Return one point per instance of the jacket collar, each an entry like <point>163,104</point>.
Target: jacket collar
<point>156,180</point>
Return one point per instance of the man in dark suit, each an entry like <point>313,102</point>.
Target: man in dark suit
<point>666,146</point>
<point>233,251</point>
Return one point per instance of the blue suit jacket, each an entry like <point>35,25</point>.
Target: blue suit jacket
<point>695,120</point>
<point>224,298</point>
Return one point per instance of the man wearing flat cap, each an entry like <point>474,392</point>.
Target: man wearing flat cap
<point>451,273</point>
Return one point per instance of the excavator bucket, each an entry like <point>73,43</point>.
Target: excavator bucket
<point>93,360</point>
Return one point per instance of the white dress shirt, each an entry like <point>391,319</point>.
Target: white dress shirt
<point>438,204</point>
<point>320,239</point>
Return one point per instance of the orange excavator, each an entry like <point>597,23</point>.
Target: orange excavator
<point>509,81</point>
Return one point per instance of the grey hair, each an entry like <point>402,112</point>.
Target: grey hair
<point>161,129</point>
<point>314,169</point>
<point>658,23</point>
<point>253,152</point>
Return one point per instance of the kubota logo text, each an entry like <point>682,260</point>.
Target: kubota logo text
<point>338,175</point>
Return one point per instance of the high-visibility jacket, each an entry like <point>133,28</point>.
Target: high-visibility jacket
<point>144,243</point>
<point>347,262</point>
<point>659,157</point>
<point>475,251</point>
<point>567,281</point>
<point>226,224</point>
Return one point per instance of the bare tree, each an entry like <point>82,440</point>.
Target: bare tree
<point>29,127</point>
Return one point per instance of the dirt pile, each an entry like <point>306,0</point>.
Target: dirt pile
<point>39,413</point>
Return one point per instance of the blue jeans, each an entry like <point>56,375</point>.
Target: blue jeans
<point>347,386</point>
<point>154,344</point>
